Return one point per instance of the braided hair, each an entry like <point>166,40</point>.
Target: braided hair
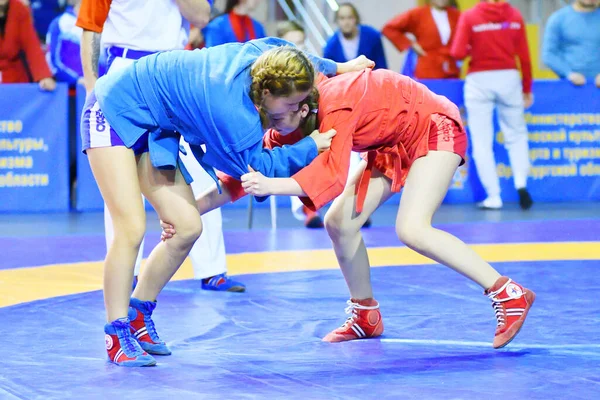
<point>282,71</point>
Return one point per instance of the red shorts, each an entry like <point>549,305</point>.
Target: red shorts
<point>446,135</point>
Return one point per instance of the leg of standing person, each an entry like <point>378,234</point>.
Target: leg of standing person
<point>479,102</point>
<point>109,233</point>
<point>116,64</point>
<point>511,115</point>
<point>115,170</point>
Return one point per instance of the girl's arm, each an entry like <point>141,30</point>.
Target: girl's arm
<point>321,181</point>
<point>323,65</point>
<point>285,161</point>
<point>259,185</point>
<point>397,28</point>
<point>211,199</point>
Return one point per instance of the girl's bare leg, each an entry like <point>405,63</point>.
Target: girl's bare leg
<point>425,188</point>
<point>173,200</point>
<point>343,225</point>
<point>115,171</point>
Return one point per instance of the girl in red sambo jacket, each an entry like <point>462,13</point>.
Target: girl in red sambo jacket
<point>413,139</point>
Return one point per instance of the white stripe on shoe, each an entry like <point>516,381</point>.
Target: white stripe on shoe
<point>119,354</point>
<point>359,333</point>
<point>141,332</point>
<point>361,330</point>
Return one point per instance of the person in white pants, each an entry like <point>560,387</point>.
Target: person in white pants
<point>127,38</point>
<point>493,34</point>
<point>501,90</point>
<point>208,253</point>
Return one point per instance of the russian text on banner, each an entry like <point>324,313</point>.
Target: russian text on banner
<point>34,174</point>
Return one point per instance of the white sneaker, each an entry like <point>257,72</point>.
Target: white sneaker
<point>491,203</point>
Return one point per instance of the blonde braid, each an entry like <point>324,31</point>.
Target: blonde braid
<point>282,71</point>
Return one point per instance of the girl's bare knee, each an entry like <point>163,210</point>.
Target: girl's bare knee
<point>339,227</point>
<point>129,231</point>
<point>188,228</point>
<point>333,222</point>
<point>413,234</point>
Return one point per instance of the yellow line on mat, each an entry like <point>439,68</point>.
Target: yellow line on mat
<point>35,283</point>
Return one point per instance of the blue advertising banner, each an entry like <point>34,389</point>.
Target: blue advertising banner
<point>564,145</point>
<point>34,171</point>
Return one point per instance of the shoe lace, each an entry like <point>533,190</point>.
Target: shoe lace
<point>497,303</point>
<point>128,342</point>
<point>151,329</point>
<point>352,309</point>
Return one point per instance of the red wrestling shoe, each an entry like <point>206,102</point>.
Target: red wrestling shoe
<point>364,322</point>
<point>511,303</point>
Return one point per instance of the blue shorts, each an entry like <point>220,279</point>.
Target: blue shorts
<point>97,132</point>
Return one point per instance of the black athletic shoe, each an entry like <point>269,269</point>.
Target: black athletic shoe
<point>525,200</point>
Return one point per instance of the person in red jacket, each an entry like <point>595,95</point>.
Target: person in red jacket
<point>414,139</point>
<point>433,26</point>
<point>18,37</point>
<point>493,34</point>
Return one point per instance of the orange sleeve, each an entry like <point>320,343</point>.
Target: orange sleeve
<point>396,30</point>
<point>271,139</point>
<point>93,14</point>
<point>325,178</point>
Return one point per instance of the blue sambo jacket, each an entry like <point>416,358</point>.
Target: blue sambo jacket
<point>202,95</point>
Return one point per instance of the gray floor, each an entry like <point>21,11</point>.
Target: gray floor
<point>237,218</point>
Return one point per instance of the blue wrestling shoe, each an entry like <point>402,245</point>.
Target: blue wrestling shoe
<point>140,315</point>
<point>223,283</point>
<point>122,348</point>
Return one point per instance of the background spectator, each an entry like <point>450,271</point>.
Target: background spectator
<point>234,25</point>
<point>44,12</point>
<point>63,43</point>
<point>572,42</point>
<point>293,32</point>
<point>21,56</point>
<point>493,34</point>
<point>354,39</point>
<point>433,27</point>
<point>196,38</point>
